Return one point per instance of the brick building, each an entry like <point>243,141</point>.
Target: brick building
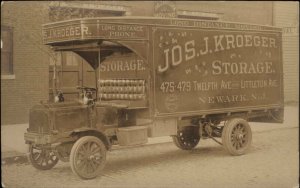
<point>25,62</point>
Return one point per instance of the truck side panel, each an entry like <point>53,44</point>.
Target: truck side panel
<point>209,70</point>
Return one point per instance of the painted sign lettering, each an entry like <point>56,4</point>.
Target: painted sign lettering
<point>120,65</point>
<point>219,68</point>
<point>210,45</point>
<point>94,31</point>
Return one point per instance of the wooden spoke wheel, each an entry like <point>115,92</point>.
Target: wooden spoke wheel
<point>188,138</point>
<point>42,159</point>
<point>88,157</point>
<point>237,136</point>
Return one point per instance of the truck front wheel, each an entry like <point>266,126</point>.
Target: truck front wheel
<point>187,138</point>
<point>88,157</point>
<point>236,136</point>
<point>41,158</point>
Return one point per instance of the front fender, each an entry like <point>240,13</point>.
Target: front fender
<point>87,131</point>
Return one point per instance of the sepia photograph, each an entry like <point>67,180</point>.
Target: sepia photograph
<point>150,94</point>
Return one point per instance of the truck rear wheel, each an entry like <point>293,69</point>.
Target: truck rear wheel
<point>188,138</point>
<point>88,157</point>
<point>236,136</point>
<point>42,159</point>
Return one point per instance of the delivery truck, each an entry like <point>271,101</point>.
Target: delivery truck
<point>184,78</point>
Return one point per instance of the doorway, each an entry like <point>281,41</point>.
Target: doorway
<point>71,71</point>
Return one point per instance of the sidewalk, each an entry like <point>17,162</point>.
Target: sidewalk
<point>14,149</point>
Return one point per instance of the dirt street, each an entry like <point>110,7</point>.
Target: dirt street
<point>272,162</point>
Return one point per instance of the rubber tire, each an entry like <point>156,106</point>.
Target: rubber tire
<point>74,151</point>
<point>178,142</point>
<point>226,136</point>
<point>37,166</point>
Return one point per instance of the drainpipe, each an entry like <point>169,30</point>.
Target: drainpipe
<point>98,79</point>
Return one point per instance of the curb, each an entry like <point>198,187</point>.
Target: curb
<point>19,159</point>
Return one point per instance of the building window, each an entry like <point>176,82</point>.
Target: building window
<point>72,59</point>
<point>6,50</point>
<point>72,10</point>
<point>57,60</point>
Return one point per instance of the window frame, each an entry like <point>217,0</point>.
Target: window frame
<point>10,74</point>
<point>104,9</point>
